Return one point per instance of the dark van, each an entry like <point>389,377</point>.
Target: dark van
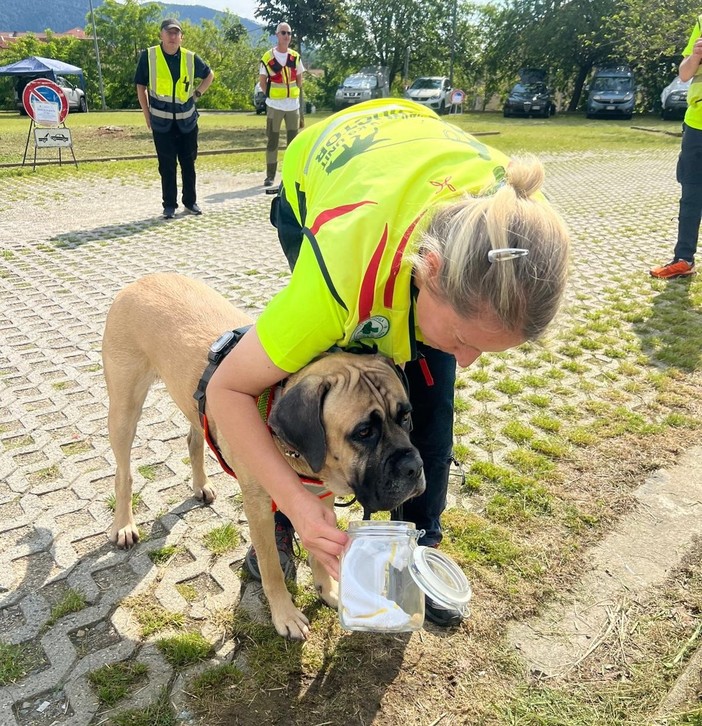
<point>611,93</point>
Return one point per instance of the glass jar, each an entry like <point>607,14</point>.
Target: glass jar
<point>384,576</point>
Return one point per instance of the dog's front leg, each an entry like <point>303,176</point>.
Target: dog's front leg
<point>202,489</point>
<point>121,423</point>
<point>327,586</point>
<point>287,619</point>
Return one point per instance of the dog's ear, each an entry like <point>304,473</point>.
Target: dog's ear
<point>296,419</point>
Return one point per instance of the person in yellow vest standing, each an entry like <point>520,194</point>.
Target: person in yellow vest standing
<point>167,89</point>
<point>689,168</point>
<point>407,236</point>
<point>280,76</point>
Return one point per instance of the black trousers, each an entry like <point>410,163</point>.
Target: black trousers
<point>689,176</point>
<point>174,147</point>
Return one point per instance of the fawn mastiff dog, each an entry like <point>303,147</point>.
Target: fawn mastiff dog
<point>343,419</point>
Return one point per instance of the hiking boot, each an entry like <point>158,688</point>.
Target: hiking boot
<point>439,615</point>
<point>284,543</point>
<point>168,212</point>
<point>676,268</point>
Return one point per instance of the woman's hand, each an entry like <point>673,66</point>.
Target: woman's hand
<point>315,524</point>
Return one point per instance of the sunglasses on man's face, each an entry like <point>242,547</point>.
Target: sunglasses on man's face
<point>285,32</point>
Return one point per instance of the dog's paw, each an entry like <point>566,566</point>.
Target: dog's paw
<point>207,494</point>
<point>125,537</point>
<point>291,624</point>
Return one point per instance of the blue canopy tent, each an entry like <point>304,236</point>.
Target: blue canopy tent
<point>37,67</point>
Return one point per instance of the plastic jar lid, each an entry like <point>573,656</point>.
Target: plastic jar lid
<point>440,578</point>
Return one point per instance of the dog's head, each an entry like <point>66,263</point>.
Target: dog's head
<point>348,416</point>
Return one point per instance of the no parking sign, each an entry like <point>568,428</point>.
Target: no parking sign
<point>45,102</point>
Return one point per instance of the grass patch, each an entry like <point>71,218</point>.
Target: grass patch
<point>111,501</point>
<point>518,432</point>
<point>187,592</point>
<point>75,448</point>
<point>14,663</point>
<point>471,540</point>
<point>148,471</point>
<point>45,475</point>
<point>214,680</point>
<point>157,714</point>
<point>152,618</point>
<point>114,682</point>
<point>185,649</point>
<point>162,555</point>
<point>72,602</point>
<point>222,539</point>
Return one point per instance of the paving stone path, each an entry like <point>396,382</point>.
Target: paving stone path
<point>68,247</point>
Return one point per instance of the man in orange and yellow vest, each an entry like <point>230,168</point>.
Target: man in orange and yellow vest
<point>281,78</point>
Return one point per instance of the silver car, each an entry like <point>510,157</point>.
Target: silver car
<point>431,91</point>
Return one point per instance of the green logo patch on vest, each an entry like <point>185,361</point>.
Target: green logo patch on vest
<point>375,327</point>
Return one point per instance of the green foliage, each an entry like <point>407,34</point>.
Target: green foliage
<point>213,680</point>
<point>222,539</point>
<point>113,682</point>
<point>157,714</point>
<point>184,650</point>
<point>14,663</point>
<point>72,602</point>
<point>312,21</point>
<point>484,48</point>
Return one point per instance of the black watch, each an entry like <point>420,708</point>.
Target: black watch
<point>197,93</point>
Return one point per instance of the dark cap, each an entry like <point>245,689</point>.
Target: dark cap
<point>170,23</point>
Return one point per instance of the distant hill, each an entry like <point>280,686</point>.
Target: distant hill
<point>63,15</point>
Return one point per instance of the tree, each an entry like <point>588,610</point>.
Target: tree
<point>652,35</point>
<point>312,21</point>
<point>124,30</point>
<point>382,32</point>
<point>230,54</point>
<point>564,38</point>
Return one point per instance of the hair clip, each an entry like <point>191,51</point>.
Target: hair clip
<point>506,253</point>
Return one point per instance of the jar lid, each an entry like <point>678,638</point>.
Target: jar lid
<point>441,578</point>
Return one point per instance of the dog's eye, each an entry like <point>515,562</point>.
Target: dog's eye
<point>405,420</point>
<point>364,433</point>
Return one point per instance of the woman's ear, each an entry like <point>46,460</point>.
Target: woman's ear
<point>430,269</point>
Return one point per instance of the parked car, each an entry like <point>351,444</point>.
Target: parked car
<point>75,95</point>
<point>370,82</point>
<point>611,93</point>
<point>674,99</point>
<point>531,96</point>
<point>434,92</point>
<point>259,99</point>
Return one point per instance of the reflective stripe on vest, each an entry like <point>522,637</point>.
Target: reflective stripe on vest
<point>282,80</point>
<point>170,101</point>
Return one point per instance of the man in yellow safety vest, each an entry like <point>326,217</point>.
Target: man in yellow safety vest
<point>166,86</point>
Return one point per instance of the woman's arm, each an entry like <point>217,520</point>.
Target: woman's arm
<point>231,398</point>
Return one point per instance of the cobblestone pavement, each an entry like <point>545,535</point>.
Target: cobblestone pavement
<point>70,245</point>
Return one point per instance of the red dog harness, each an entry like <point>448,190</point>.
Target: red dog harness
<point>217,353</point>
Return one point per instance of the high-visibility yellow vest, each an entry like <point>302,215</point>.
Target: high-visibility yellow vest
<point>693,115</point>
<point>282,80</point>
<point>363,184</point>
<point>169,101</point>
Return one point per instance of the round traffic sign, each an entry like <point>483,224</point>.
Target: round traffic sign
<point>457,97</point>
<point>43,90</point>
